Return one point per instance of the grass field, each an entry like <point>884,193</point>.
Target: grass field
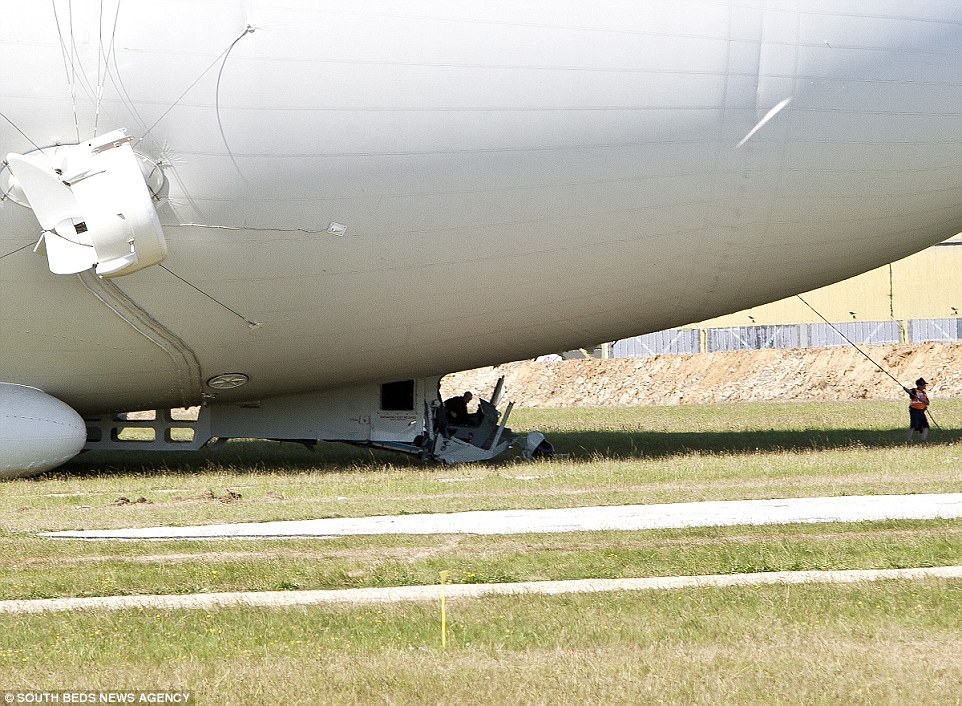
<point>894,642</point>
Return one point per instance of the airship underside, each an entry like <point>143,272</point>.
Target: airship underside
<point>275,211</point>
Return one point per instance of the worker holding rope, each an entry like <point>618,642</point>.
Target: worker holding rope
<point>920,400</point>
<point>918,422</point>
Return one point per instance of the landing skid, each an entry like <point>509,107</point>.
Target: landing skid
<point>406,417</point>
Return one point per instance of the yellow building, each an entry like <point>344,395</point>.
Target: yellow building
<point>915,299</point>
<point>927,285</point>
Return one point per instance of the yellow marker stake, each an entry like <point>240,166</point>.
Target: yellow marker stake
<point>444,620</point>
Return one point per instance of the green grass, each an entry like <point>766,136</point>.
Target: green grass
<point>891,643</point>
<point>31,567</point>
<point>883,643</point>
<point>636,455</point>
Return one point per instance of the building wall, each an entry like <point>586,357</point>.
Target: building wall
<point>927,285</point>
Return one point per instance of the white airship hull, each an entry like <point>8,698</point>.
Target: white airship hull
<point>363,191</point>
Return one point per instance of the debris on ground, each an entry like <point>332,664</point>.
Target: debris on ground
<point>124,500</point>
<point>230,496</point>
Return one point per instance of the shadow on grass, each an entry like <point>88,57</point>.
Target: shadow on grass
<point>626,445</point>
<point>240,456</point>
<point>273,457</point>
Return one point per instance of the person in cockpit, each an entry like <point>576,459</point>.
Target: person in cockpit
<point>456,409</point>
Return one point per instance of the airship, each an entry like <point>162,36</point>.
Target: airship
<point>300,216</point>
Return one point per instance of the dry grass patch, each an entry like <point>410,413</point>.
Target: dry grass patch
<point>888,643</point>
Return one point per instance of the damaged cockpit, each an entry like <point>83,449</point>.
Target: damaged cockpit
<point>453,436</point>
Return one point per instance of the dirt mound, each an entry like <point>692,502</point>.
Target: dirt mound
<point>741,376</point>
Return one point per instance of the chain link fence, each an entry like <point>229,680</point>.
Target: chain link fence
<point>736,338</point>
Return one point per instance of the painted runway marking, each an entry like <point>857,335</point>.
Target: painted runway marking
<point>727,513</point>
<point>366,596</point>
<point>629,517</point>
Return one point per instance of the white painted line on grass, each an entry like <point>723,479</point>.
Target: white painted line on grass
<point>361,596</point>
<point>852,508</point>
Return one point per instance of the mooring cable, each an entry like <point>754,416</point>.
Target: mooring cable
<point>867,356</point>
<point>849,341</point>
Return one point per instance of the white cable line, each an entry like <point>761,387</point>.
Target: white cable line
<point>25,136</point>
<point>74,57</point>
<point>245,228</point>
<point>68,66</point>
<point>251,324</point>
<point>100,51</point>
<point>14,252</point>
<point>188,89</point>
<point>111,50</point>
<point>122,93</point>
<point>220,125</point>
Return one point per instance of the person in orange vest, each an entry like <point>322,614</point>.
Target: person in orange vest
<point>918,422</point>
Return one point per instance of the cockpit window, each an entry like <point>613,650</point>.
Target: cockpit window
<point>397,396</point>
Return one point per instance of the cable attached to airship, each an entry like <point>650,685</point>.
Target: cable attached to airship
<point>866,355</point>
